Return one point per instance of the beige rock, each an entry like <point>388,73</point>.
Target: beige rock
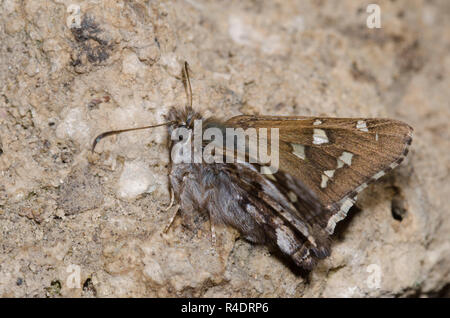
<point>69,71</point>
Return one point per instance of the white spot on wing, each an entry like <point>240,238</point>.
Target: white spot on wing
<point>360,188</point>
<point>292,196</point>
<point>361,125</point>
<point>317,122</point>
<point>286,240</point>
<point>320,137</point>
<point>299,151</point>
<point>346,158</point>
<point>393,165</point>
<point>268,173</point>
<point>346,205</point>
<point>329,173</point>
<point>378,175</point>
<point>324,181</point>
<point>376,136</point>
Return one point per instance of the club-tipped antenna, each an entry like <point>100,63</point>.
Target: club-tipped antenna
<point>116,132</point>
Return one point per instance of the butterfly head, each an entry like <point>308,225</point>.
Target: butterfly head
<point>182,118</point>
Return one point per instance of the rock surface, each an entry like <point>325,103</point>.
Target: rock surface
<point>79,224</point>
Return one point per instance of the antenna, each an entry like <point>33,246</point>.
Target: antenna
<point>116,132</point>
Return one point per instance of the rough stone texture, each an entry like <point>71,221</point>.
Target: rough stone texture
<point>68,73</point>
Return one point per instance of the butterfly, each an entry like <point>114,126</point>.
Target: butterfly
<point>323,163</point>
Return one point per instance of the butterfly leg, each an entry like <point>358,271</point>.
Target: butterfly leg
<point>172,200</point>
<point>213,235</point>
<point>172,219</point>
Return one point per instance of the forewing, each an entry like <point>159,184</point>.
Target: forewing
<point>335,157</point>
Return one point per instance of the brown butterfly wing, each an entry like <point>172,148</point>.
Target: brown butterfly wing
<point>335,157</point>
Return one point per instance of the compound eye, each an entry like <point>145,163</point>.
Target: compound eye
<point>180,138</point>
